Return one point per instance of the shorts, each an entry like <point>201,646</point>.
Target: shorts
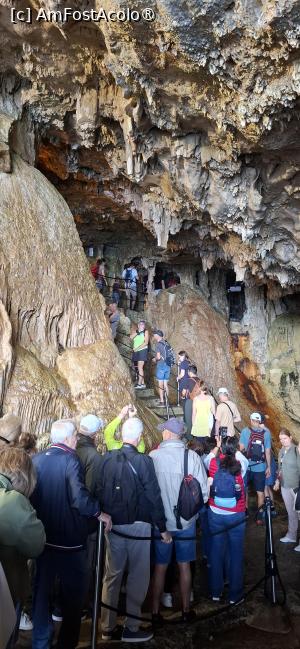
<point>185,551</point>
<point>163,372</point>
<point>258,479</point>
<point>272,479</point>
<point>141,355</point>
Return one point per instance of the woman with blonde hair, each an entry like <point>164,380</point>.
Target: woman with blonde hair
<point>22,534</point>
<point>204,411</point>
<point>288,481</point>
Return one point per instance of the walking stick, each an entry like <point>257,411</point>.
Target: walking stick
<point>178,389</point>
<point>98,582</point>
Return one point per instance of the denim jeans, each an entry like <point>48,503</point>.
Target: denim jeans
<point>205,533</point>
<point>227,549</point>
<point>71,569</point>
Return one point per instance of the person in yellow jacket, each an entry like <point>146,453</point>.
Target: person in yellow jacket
<point>113,444</point>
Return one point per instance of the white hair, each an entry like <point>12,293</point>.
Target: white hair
<point>60,430</point>
<point>132,429</point>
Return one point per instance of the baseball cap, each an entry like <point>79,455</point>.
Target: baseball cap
<point>222,391</point>
<point>174,425</point>
<point>256,417</point>
<point>90,424</point>
<point>158,332</point>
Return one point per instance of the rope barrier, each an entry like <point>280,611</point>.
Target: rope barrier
<point>187,538</point>
<point>197,619</point>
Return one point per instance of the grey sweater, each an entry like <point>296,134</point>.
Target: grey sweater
<point>289,467</point>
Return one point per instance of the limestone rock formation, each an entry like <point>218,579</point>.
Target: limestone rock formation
<point>188,123</point>
<point>64,354</point>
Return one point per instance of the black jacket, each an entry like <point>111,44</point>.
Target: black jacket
<point>150,507</point>
<point>91,461</point>
<point>61,499</point>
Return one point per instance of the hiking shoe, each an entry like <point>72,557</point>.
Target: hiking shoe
<point>297,548</point>
<point>140,386</point>
<point>136,636</point>
<point>57,615</point>
<point>166,600</point>
<point>188,616</point>
<point>157,619</point>
<point>116,634</point>
<point>287,539</point>
<point>25,623</point>
<point>215,599</point>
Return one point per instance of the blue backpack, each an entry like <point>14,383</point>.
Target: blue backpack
<point>225,490</point>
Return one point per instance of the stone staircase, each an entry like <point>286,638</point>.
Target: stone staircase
<point>147,396</point>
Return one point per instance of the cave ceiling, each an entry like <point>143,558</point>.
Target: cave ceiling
<point>182,132</point>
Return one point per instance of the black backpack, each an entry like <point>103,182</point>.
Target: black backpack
<point>170,358</point>
<point>190,499</point>
<point>256,446</point>
<point>120,488</point>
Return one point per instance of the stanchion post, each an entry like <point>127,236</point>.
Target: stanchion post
<point>270,564</point>
<point>98,582</point>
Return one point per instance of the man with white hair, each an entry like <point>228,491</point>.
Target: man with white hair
<point>227,414</point>
<point>65,506</point>
<point>131,495</point>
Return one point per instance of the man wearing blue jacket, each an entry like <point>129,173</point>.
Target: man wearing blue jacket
<point>64,505</point>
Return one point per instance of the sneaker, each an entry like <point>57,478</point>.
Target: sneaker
<point>57,616</point>
<point>136,636</point>
<point>287,539</point>
<point>116,634</point>
<point>25,623</point>
<point>237,602</point>
<point>166,600</point>
<point>259,522</point>
<point>297,548</point>
<point>188,616</point>
<point>140,386</point>
<point>215,599</point>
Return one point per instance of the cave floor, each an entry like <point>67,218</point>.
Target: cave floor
<point>229,629</point>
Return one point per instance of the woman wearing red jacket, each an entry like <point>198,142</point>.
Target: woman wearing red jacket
<point>226,517</point>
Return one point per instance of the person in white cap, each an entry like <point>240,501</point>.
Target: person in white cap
<point>64,506</point>
<point>227,415</point>
<point>257,443</point>
<point>90,458</point>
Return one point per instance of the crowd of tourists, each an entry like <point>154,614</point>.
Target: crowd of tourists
<point>51,502</point>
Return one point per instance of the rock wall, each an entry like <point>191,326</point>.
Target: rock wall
<point>187,124</point>
<point>64,360</point>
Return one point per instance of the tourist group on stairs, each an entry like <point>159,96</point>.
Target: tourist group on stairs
<point>151,502</point>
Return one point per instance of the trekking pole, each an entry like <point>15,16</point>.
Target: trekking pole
<point>270,561</point>
<point>178,388</point>
<point>98,582</point>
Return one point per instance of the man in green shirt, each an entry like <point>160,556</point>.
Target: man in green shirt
<point>110,430</point>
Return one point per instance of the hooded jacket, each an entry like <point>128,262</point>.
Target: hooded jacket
<point>22,537</point>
